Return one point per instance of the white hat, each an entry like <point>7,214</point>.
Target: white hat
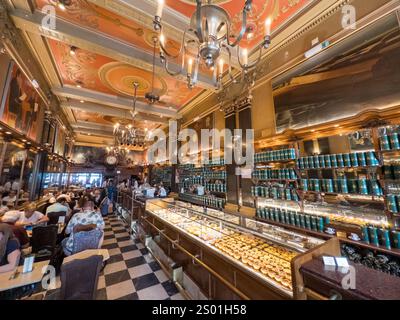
<point>52,200</point>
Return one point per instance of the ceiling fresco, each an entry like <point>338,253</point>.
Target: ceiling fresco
<point>96,72</point>
<point>85,116</point>
<point>278,10</point>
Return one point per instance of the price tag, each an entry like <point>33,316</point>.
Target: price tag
<point>342,262</point>
<point>329,261</point>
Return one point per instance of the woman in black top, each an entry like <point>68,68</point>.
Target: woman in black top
<point>9,249</point>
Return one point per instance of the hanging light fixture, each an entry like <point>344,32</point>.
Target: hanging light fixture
<point>210,27</point>
<point>125,134</point>
<point>151,96</point>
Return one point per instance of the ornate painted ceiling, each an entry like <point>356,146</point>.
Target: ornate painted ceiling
<point>114,49</point>
<point>278,10</point>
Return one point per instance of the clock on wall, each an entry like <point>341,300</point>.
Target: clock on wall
<point>111,160</point>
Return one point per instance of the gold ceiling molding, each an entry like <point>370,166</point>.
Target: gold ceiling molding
<point>126,11</point>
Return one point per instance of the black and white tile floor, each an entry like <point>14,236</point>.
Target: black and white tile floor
<point>131,273</point>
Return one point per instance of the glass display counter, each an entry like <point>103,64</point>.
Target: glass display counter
<point>260,250</point>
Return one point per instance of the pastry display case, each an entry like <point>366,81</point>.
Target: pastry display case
<point>241,253</point>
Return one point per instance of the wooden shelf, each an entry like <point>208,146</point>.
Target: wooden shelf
<point>342,168</point>
<point>394,252</point>
<point>274,161</point>
<point>380,198</point>
<point>316,234</point>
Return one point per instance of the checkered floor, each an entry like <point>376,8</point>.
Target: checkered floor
<point>131,273</point>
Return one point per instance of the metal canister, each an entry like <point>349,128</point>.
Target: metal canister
<point>354,159</point>
<point>398,202</point>
<point>288,194</point>
<point>347,160</point>
<point>311,164</point>
<point>352,185</point>
<point>391,203</point>
<point>372,160</point>
<point>292,218</point>
<point>314,223</point>
<point>376,190</point>
<point>394,141</point>
<point>334,161</point>
<point>308,222</point>
<point>297,219</point>
<point>329,185</point>
<point>327,220</point>
<point>292,154</point>
<point>300,163</point>
<point>328,163</point>
<point>276,214</point>
<point>396,172</point>
<point>306,164</point>
<point>343,186</point>
<point>396,239</point>
<point>281,215</point>
<point>340,160</point>
<point>373,235</point>
<point>316,162</point>
<point>304,184</point>
<point>287,217</point>
<point>364,234</point>
<point>388,173</point>
<point>362,161</point>
<point>384,238</point>
<point>362,186</point>
<point>302,221</point>
<point>295,196</point>
<point>317,186</point>
<point>322,161</point>
<point>321,224</point>
<point>384,141</point>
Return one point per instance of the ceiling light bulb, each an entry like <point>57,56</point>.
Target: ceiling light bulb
<point>72,51</point>
<point>61,6</point>
<point>268,24</point>
<point>160,8</point>
<point>162,39</point>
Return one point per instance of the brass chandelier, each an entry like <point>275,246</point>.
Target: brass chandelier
<point>206,39</point>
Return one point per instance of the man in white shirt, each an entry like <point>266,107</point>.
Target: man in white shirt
<point>59,206</point>
<point>27,217</point>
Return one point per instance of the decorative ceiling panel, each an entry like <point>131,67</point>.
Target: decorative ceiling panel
<point>92,117</point>
<point>88,15</point>
<point>99,73</point>
<point>279,11</point>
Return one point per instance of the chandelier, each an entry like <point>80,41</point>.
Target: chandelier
<point>206,39</point>
<point>125,133</point>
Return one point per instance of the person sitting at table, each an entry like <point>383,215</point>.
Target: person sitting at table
<point>10,197</point>
<point>59,206</point>
<point>89,218</point>
<point>30,216</point>
<point>10,252</point>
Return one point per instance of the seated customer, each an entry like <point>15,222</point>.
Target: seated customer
<point>11,197</point>
<point>30,216</point>
<point>59,206</point>
<point>9,249</point>
<point>89,218</point>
